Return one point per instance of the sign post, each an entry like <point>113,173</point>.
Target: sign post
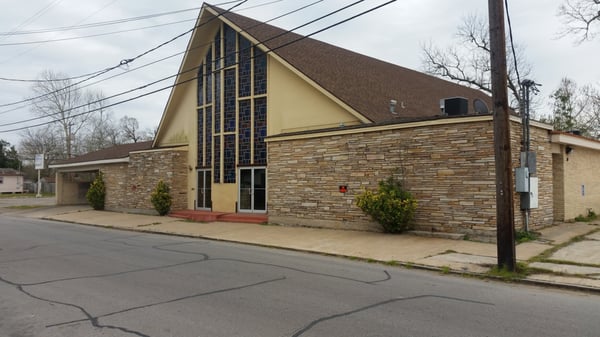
<point>39,166</point>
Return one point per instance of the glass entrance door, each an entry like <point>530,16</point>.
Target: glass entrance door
<point>253,190</point>
<point>204,197</point>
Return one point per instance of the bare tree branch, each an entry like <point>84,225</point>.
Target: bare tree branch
<point>468,62</point>
<point>581,19</point>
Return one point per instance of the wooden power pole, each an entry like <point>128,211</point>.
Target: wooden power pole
<point>505,213</point>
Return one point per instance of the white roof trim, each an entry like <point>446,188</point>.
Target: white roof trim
<point>89,163</point>
<point>567,139</point>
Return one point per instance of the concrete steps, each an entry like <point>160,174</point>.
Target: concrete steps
<point>207,216</point>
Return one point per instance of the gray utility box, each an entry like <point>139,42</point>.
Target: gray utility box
<point>522,179</point>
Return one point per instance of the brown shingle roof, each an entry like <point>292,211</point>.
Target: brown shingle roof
<point>9,172</point>
<point>115,152</point>
<point>364,83</point>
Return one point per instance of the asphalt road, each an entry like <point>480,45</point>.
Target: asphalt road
<point>61,279</point>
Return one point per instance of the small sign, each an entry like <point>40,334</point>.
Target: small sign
<point>39,161</point>
<point>343,188</point>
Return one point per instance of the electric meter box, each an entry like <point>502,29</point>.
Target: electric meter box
<point>522,179</point>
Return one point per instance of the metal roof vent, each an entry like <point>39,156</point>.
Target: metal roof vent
<point>393,104</point>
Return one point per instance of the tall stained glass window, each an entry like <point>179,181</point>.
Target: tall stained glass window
<point>232,106</point>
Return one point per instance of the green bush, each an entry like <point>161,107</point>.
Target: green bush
<point>161,199</point>
<point>391,205</point>
<point>96,193</point>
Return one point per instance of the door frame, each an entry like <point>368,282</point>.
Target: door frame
<point>252,209</point>
<point>207,173</point>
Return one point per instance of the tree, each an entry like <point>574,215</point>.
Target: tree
<point>576,108</point>
<point>130,129</point>
<point>581,18</point>
<point>467,62</point>
<point>101,131</point>
<point>38,141</point>
<point>59,99</point>
<point>8,156</point>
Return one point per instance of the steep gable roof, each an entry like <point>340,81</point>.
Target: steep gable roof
<point>364,83</point>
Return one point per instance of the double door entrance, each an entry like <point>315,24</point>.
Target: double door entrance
<point>252,197</point>
<point>252,190</point>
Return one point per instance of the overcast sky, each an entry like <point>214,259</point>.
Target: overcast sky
<point>394,33</point>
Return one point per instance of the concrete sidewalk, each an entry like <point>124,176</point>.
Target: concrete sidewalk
<point>565,255</point>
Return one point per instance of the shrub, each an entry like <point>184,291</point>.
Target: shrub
<point>391,205</point>
<point>96,193</point>
<point>161,199</point>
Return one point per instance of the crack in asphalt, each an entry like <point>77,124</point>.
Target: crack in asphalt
<point>94,320</point>
<point>386,278</point>
<point>178,299</point>
<point>316,322</point>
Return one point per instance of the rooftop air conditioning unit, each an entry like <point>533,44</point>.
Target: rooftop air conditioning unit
<point>456,106</point>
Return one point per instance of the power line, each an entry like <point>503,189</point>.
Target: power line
<point>165,58</point>
<point>92,35</point>
<point>98,24</point>
<point>179,83</point>
<point>122,62</point>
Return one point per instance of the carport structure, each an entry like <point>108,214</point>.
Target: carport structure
<point>74,175</point>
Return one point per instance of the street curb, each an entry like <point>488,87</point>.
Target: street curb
<point>406,265</point>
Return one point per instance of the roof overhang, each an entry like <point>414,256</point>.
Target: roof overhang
<point>564,138</point>
<point>89,163</point>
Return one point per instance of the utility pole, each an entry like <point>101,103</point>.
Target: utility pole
<point>505,213</point>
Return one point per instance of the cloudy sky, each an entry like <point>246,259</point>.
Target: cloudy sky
<point>29,33</point>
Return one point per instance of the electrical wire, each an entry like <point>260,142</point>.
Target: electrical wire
<point>173,55</point>
<point>92,35</point>
<point>178,83</point>
<point>99,24</point>
<point>512,43</point>
<point>122,63</point>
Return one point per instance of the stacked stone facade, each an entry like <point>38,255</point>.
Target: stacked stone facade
<point>129,185</point>
<point>448,166</point>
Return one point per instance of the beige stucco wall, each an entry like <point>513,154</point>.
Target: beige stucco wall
<point>581,181</point>
<point>295,105</point>
<point>448,166</point>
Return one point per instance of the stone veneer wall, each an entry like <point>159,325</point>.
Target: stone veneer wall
<point>448,167</point>
<point>129,185</point>
<point>540,144</point>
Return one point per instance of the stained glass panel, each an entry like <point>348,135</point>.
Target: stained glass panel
<point>245,133</point>
<point>217,173</point>
<point>245,67</point>
<point>230,100</point>
<point>208,136</point>
<point>200,162</point>
<point>229,35</point>
<point>260,131</point>
<point>218,50</point>
<point>260,72</point>
<point>200,86</point>
<point>229,159</point>
<point>208,86</point>
<point>217,102</point>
